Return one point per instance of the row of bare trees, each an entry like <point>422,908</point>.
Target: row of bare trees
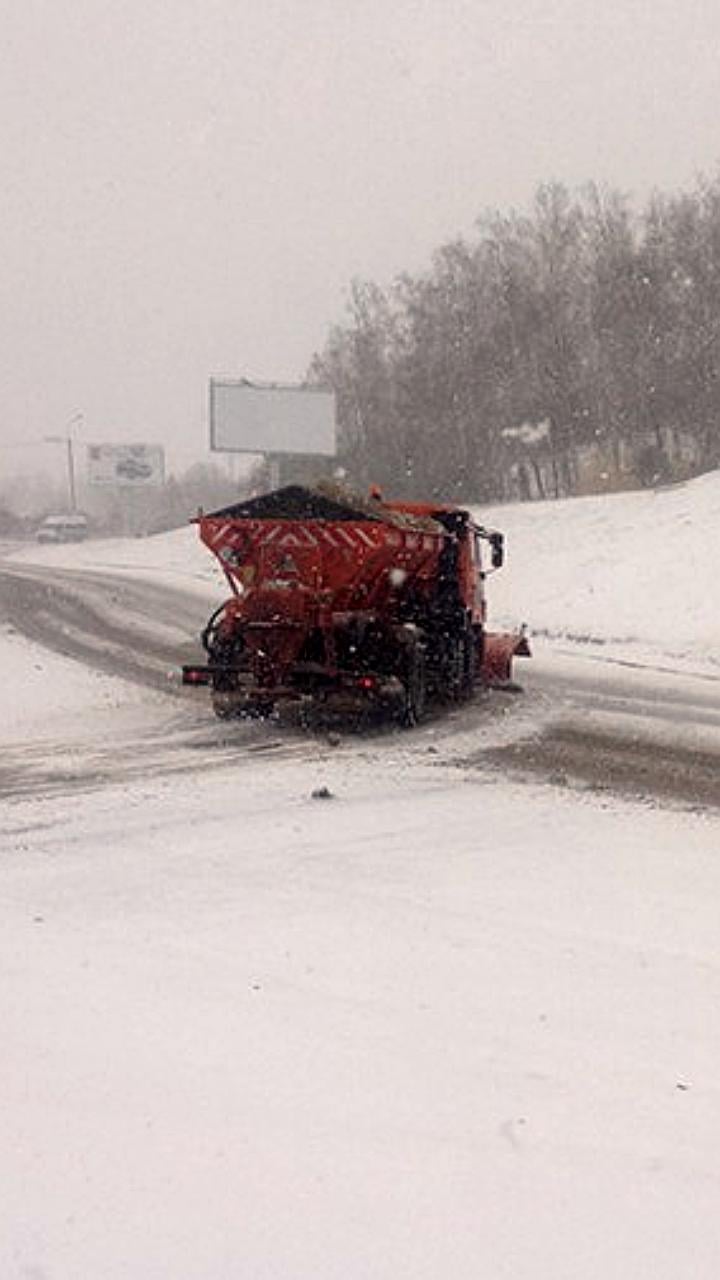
<point>573,347</point>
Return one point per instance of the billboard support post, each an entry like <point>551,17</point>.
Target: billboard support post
<point>273,463</point>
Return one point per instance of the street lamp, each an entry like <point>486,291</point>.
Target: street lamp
<point>67,440</point>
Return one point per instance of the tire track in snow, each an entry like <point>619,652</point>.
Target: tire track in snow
<point>649,743</point>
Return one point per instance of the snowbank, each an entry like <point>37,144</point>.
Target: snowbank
<point>633,571</point>
<point>45,695</point>
<point>177,558</point>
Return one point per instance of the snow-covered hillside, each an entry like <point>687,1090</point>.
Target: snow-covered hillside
<point>634,571</point>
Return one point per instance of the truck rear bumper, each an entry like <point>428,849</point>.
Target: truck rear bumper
<point>339,692</point>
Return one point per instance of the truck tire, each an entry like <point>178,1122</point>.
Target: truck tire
<point>224,655</point>
<point>415,689</point>
<point>458,668</point>
<point>467,679</point>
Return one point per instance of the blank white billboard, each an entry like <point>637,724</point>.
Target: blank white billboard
<point>246,418</point>
<point>136,466</point>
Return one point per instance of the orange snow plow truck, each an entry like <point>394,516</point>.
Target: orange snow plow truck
<point>350,604</point>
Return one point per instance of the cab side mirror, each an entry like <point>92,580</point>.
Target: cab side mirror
<point>497,550</point>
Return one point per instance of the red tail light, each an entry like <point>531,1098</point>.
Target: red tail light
<point>196,675</point>
<point>367,682</point>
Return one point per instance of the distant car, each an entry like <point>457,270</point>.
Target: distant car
<point>133,469</point>
<point>63,529</point>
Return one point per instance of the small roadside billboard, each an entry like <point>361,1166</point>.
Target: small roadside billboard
<point>135,466</point>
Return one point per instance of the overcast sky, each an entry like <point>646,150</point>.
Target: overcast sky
<point>188,186</point>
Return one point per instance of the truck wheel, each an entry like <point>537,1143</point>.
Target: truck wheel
<point>460,668</point>
<point>467,681</point>
<point>225,656</point>
<point>415,685</point>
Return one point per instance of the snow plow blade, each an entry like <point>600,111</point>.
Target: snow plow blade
<point>500,649</point>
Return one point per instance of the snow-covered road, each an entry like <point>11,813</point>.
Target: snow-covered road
<point>586,717</point>
<point>434,1025</point>
<point>437,1022</point>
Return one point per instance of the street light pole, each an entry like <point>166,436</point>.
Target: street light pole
<point>71,475</point>
<point>67,440</point>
